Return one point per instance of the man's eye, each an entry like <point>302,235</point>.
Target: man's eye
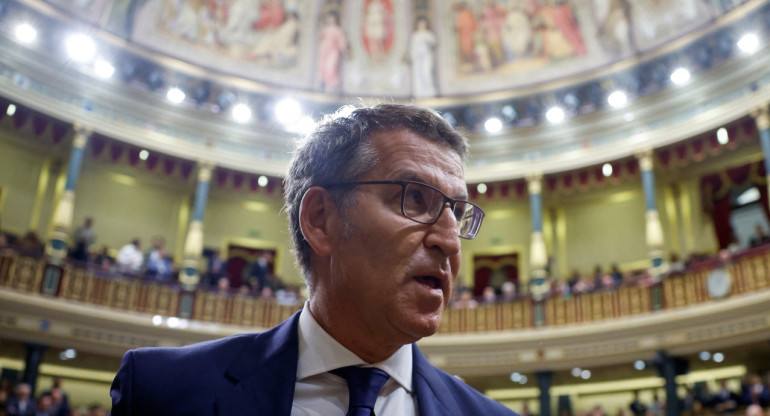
<point>414,198</point>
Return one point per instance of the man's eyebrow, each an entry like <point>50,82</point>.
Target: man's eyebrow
<point>411,176</point>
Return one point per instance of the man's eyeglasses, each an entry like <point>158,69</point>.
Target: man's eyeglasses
<point>424,204</point>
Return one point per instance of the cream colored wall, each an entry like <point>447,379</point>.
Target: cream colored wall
<point>19,174</point>
<point>125,205</point>
<point>606,228</point>
<point>251,219</point>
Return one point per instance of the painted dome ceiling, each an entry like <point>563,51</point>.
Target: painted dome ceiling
<point>540,86</point>
<point>399,49</point>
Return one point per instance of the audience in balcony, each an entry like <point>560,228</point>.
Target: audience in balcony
<point>760,236</point>
<point>216,268</point>
<point>82,240</point>
<point>31,244</point>
<point>507,292</point>
<point>21,403</point>
<point>130,258</point>
<point>465,299</point>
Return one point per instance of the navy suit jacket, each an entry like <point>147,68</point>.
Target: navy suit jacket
<point>254,374</point>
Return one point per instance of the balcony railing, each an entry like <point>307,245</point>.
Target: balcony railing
<point>747,272</point>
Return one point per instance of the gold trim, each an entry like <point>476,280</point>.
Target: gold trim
<point>685,201</point>
<point>61,183</point>
<point>669,201</point>
<point>561,238</point>
<point>42,187</point>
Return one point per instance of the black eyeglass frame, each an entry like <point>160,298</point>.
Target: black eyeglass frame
<point>452,201</point>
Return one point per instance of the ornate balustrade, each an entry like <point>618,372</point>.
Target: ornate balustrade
<point>748,272</point>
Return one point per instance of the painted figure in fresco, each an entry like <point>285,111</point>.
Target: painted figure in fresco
<point>271,15</point>
<point>182,18</point>
<point>465,25</point>
<point>421,47</point>
<point>331,48</point>
<point>238,19</point>
<point>657,19</point>
<point>279,46</point>
<point>561,33</point>
<point>377,27</point>
<point>614,25</point>
<point>492,21</point>
<point>517,32</point>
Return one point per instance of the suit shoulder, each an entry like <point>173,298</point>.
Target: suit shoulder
<point>216,353</point>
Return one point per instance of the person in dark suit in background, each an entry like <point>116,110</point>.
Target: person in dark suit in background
<point>377,207</point>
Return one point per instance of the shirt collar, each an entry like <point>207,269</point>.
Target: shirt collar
<point>320,353</point>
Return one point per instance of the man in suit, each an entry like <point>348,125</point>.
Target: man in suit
<point>377,206</point>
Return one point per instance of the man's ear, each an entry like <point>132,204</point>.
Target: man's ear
<point>315,219</point>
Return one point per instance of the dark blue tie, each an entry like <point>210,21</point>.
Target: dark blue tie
<point>364,384</point>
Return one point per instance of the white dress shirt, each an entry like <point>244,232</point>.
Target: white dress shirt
<point>320,393</point>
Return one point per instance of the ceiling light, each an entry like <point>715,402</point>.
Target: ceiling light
<point>11,109</point>
<point>241,113</point>
<point>749,43</point>
<point>516,377</point>
<point>80,47</point>
<point>585,374</point>
<point>25,33</point>
<point>523,380</point>
<point>607,170</point>
<point>680,76</point>
<point>555,115</point>
<point>157,320</point>
<point>576,372</point>
<point>175,95</point>
<point>482,188</point>
<point>69,353</point>
<point>639,365</point>
<point>704,355</point>
<point>103,69</point>
<point>144,154</point>
<point>718,357</point>
<point>722,136</point>
<point>172,322</point>
<point>617,99</point>
<point>288,111</point>
<point>262,181</point>
<point>493,125</point>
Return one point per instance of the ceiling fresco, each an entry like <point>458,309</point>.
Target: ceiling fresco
<point>418,48</point>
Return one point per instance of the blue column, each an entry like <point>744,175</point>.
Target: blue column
<point>32,361</point>
<point>193,247</point>
<point>544,384</point>
<point>654,230</point>
<point>538,256</point>
<point>56,249</point>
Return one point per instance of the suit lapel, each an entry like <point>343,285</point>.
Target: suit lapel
<point>264,374</point>
<point>433,397</point>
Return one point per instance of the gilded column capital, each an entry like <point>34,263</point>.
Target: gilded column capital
<point>535,183</point>
<point>81,135</point>
<point>205,167</point>
<point>762,116</point>
<point>645,159</point>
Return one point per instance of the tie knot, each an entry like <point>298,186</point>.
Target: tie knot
<point>364,385</point>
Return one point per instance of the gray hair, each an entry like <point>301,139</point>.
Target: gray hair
<point>340,150</point>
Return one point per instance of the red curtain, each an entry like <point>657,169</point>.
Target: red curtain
<point>487,267</point>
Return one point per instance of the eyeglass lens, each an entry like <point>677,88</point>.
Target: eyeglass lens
<point>424,204</point>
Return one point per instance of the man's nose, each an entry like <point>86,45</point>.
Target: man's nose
<point>443,234</point>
